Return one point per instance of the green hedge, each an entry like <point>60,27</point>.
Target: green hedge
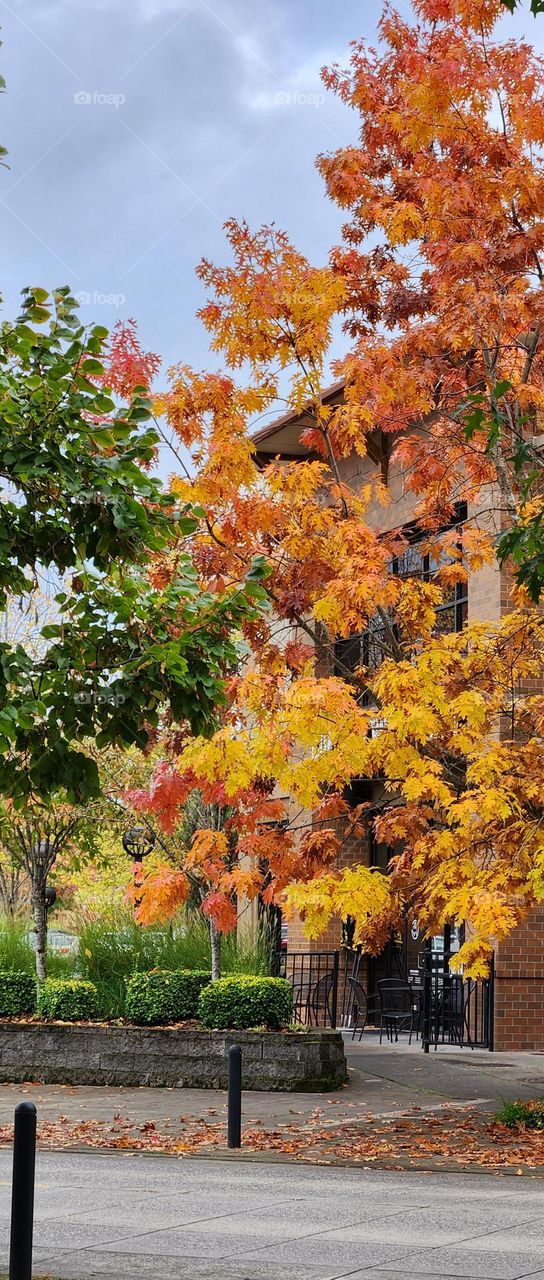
<point>17,994</point>
<point>164,995</point>
<point>247,1001</point>
<point>68,999</point>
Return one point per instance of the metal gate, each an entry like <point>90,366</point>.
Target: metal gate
<point>455,1010</point>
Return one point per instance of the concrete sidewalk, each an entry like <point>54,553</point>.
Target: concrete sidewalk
<point>132,1217</point>
<point>383,1081</point>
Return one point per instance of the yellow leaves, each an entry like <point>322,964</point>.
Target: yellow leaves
<point>309,733</point>
<point>358,891</point>
<point>302,479</point>
<point>416,606</point>
<point>403,223</point>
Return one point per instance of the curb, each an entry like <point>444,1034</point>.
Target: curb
<point>275,1157</point>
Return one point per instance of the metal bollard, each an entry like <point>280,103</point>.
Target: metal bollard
<point>22,1196</point>
<point>427,995</point>
<point>234,1127</point>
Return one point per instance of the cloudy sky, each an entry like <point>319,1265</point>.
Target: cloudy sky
<point>136,127</point>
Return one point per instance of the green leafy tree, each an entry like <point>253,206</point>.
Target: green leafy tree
<point>78,501</point>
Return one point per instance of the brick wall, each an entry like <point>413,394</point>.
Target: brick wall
<point>519,987</point>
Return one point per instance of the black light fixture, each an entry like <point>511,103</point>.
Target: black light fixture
<point>138,842</point>
<point>50,896</point>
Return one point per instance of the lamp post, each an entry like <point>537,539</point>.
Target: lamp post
<point>138,842</point>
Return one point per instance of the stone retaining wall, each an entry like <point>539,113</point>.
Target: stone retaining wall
<point>59,1053</point>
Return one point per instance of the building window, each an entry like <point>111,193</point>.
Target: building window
<point>368,648</point>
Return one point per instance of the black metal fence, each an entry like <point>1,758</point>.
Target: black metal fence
<point>320,982</point>
<point>450,1009</point>
<point>455,1009</point>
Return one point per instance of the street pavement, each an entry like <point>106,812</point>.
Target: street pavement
<point>133,1217</point>
<point>383,1081</point>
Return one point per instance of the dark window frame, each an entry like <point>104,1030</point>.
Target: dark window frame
<point>357,646</point>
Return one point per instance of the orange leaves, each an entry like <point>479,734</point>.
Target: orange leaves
<point>210,415</point>
<point>346,676</point>
<point>208,853</point>
<point>159,892</point>
<point>269,299</point>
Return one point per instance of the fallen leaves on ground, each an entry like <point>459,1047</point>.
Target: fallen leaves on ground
<point>448,1137</point>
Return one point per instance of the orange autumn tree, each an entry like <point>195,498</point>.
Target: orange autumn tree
<point>439,280</point>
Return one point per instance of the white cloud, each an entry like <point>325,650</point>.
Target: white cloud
<point>300,86</point>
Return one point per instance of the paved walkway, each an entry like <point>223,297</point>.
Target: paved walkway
<point>383,1081</point>
<point>132,1217</point>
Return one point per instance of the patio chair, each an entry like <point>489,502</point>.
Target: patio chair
<point>360,1004</point>
<point>458,1004</point>
<point>319,1000</point>
<point>399,1008</point>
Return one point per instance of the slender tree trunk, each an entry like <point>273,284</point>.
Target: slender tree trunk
<point>215,946</point>
<point>40,927</point>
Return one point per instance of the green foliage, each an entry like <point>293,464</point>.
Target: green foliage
<point>81,503</point>
<point>68,1000</point>
<point>108,955</point>
<point>247,1001</point>
<point>523,544</point>
<point>61,966</point>
<point>537,6</point>
<point>164,996</point>
<point>16,953</point>
<point>524,1115</point>
<point>17,993</point>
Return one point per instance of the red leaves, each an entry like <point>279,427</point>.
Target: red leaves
<point>221,910</point>
<point>166,795</point>
<point>127,365</point>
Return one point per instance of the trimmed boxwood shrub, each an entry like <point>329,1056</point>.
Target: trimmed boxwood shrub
<point>68,999</point>
<point>246,1001</point>
<point>17,994</point>
<point>164,995</point>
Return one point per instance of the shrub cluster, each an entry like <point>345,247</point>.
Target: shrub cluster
<point>165,995</point>
<point>68,1000</point>
<point>247,1001</point>
<point>111,951</point>
<point>17,994</point>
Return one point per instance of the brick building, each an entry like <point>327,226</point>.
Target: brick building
<point>519,960</point>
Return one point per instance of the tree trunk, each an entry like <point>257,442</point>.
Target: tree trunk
<point>215,946</point>
<point>40,927</point>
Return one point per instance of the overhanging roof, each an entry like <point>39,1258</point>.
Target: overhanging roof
<point>281,438</point>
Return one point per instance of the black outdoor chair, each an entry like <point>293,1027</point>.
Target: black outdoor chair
<point>457,1003</point>
<point>300,995</point>
<point>319,1001</point>
<point>399,1008</point>
<point>360,1006</point>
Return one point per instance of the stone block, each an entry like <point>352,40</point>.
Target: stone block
<point>175,1057</point>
